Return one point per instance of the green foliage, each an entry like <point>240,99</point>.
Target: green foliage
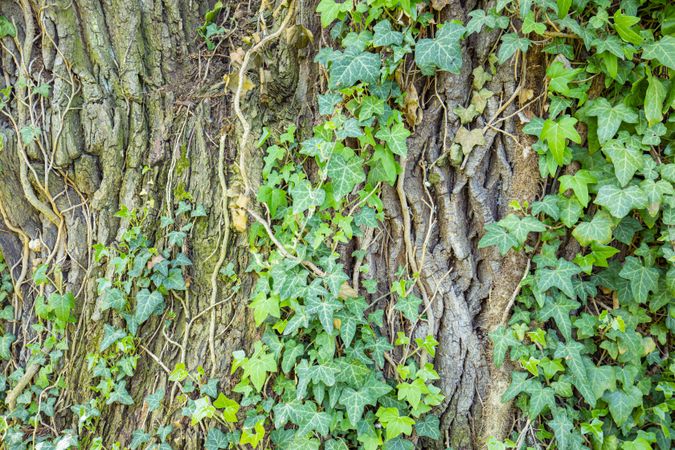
<point>316,376</point>
<point>140,279</point>
<point>591,332</point>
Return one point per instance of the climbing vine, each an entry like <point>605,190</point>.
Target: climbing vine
<point>318,374</point>
<point>592,325</point>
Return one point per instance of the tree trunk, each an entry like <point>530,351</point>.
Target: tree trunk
<point>134,117</point>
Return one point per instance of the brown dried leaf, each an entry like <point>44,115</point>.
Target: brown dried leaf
<point>299,37</point>
<point>469,139</point>
<point>237,56</point>
<point>413,112</point>
<point>239,220</point>
<point>524,96</point>
<point>346,291</point>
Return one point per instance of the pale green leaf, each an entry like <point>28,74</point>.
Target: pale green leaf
<point>511,42</point>
<point>352,66</point>
<point>610,117</point>
<point>662,50</point>
<point>395,137</point>
<point>598,230</point>
<point>619,202</point>
<point>642,279</point>
<point>305,197</point>
<point>556,134</point>
<point>384,35</point>
<point>495,235</point>
<point>345,174</point>
<point>442,52</point>
<point>626,160</point>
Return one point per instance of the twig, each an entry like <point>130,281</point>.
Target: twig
<point>31,370</point>
<point>221,257</point>
<point>240,86</point>
<point>505,316</point>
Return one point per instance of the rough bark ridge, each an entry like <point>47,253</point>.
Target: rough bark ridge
<point>135,113</point>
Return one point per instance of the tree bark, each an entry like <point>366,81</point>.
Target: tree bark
<point>134,117</point>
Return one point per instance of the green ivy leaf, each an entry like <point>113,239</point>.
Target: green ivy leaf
<point>642,279</point>
<point>626,160</point>
<point>559,310</point>
<point>174,281</point>
<point>548,205</point>
<point>428,426</point>
<point>327,103</point>
<point>336,444</point>
<point>570,210</point>
<point>138,438</point>
<point>179,373</point>
<point>395,137</point>
<point>409,306</point>
<point>228,406</point>
<point>309,419</point>
<point>520,228</point>
<point>154,401</point>
<point>62,305</point>
<point>393,423</point>
<point>265,305</point>
<point>530,25</point>
<point>345,174</point>
<point>203,409</point>
<point>623,25</point>
<point>147,304</point>
<point>654,98</point>
<point>412,392</point>
<point>540,398</point>
<point>579,184</point>
<point>560,77</point>
<point>598,230</point>
<point>371,106</point>
<point>384,35</point>
<point>561,424</point>
<point>655,191</point>
<point>305,197</point>
<point>6,28</point>
<point>352,66</point>
<point>495,235</point>
<point>259,366</point>
<point>110,336</point>
<point>662,50</point>
<point>610,117</point>
<point>559,277</point>
<point>520,382</point>
<point>324,310</point>
<point>216,440</point>
<point>351,372</point>
<point>556,133</point>
<point>120,395</point>
<point>29,134</point>
<point>5,346</point>
<point>253,435</point>
<point>331,10</point>
<point>442,52</point>
<point>563,7</point>
<point>502,338</point>
<point>622,402</point>
<point>355,401</point>
<point>619,202</point>
<point>510,43</point>
<point>571,352</point>
<point>113,298</point>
